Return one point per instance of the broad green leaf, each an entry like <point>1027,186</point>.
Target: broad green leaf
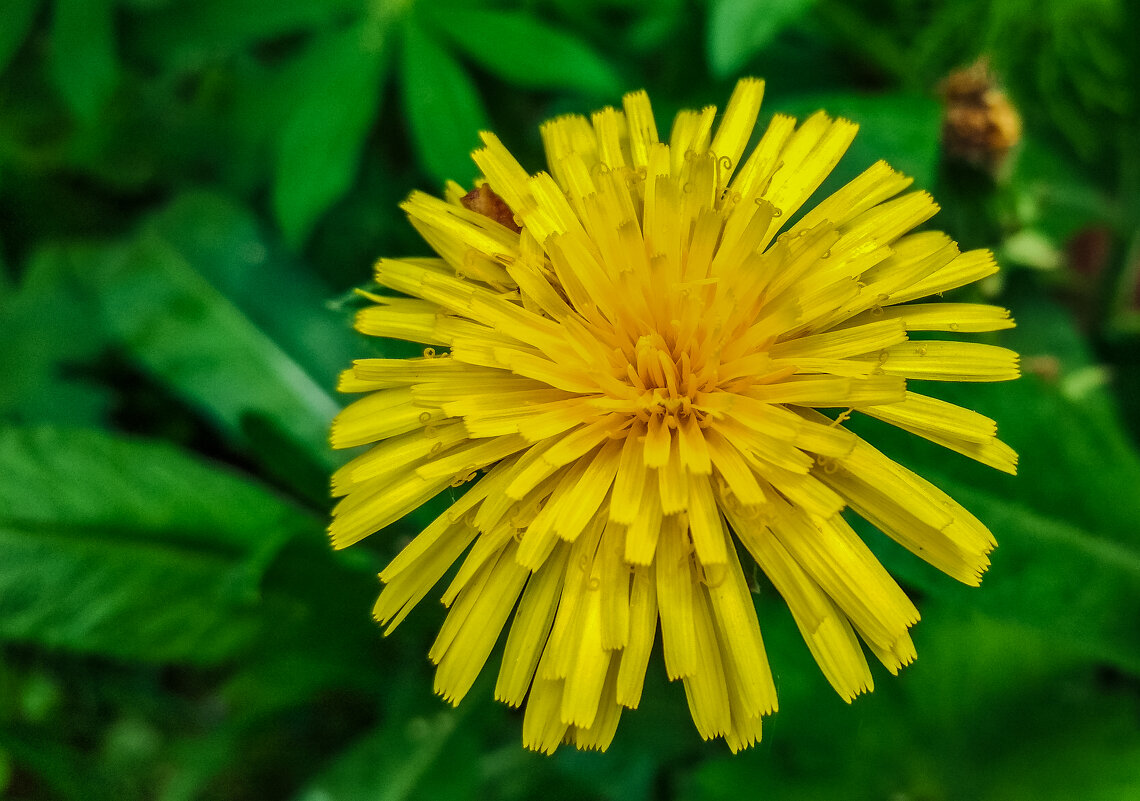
<point>1078,463</point>
<point>131,549</point>
<point>320,144</point>
<point>83,61</point>
<point>740,28</point>
<point>126,599</point>
<point>18,16</point>
<point>193,339</point>
<point>1071,582</point>
<point>525,51</point>
<point>56,477</point>
<point>445,113</point>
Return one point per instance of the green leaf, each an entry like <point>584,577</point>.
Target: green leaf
<point>83,61</point>
<point>325,637</point>
<point>321,142</point>
<point>192,338</point>
<point>18,16</point>
<point>525,51</point>
<point>225,243</point>
<point>101,481</point>
<point>195,762</point>
<point>122,599</point>
<point>740,28</point>
<point>444,111</point>
<point>131,549</point>
<point>1085,472</point>
<point>1048,576</point>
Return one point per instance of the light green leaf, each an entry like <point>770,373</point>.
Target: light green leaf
<point>738,29</point>
<point>18,16</point>
<point>1086,469</point>
<point>227,245</point>
<point>526,51</point>
<point>122,599</point>
<point>131,549</point>
<point>444,111</point>
<point>83,61</point>
<point>320,144</point>
<point>188,335</point>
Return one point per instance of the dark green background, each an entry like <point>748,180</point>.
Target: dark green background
<point>188,193</point>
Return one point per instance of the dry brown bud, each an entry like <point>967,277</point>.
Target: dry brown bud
<point>483,200</point>
<point>980,125</point>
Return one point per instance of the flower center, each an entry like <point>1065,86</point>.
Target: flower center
<point>665,378</point>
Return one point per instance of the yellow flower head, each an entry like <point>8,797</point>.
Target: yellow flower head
<point>635,355</point>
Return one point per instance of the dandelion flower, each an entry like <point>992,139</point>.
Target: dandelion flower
<point>626,360</point>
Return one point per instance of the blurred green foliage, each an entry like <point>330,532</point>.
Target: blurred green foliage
<point>188,192</point>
